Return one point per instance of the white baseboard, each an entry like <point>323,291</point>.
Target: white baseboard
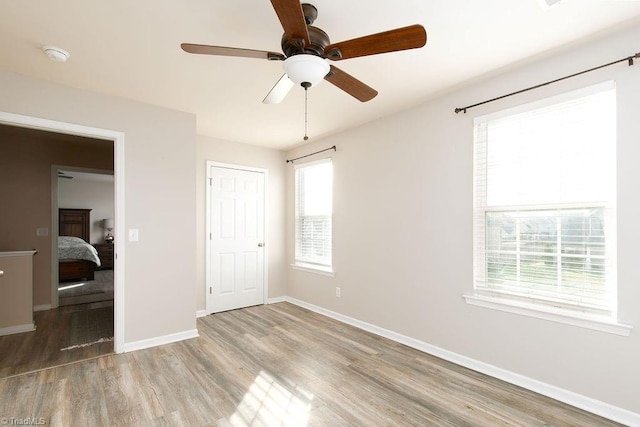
<point>18,329</point>
<point>165,339</point>
<point>202,313</point>
<point>574,399</point>
<point>42,307</point>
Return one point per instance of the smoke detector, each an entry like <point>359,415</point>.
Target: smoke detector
<point>546,4</point>
<point>56,54</point>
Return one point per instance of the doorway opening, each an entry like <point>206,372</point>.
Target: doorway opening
<point>114,141</point>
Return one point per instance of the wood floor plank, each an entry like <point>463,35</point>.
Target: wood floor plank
<point>278,365</point>
<point>40,349</point>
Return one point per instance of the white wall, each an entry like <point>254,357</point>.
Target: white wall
<point>245,155</point>
<point>403,232</point>
<point>159,196</point>
<point>86,194</point>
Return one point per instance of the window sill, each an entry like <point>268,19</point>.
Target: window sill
<point>310,268</point>
<point>583,320</point>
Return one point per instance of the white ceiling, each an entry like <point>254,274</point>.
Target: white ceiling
<point>131,49</point>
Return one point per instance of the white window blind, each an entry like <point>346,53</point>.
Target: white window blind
<point>544,202</point>
<point>313,209</point>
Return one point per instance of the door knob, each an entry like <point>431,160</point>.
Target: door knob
<point>261,245</point>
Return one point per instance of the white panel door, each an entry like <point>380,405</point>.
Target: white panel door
<point>236,239</point>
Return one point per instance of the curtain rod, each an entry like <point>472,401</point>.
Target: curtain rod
<point>628,59</point>
<point>317,152</point>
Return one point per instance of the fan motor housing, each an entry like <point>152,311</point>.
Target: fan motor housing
<point>319,40</point>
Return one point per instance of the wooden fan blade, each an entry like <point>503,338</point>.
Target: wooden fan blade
<point>350,84</point>
<point>404,38</point>
<point>204,49</point>
<point>279,91</point>
<point>292,19</point>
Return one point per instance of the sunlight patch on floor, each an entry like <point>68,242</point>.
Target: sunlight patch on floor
<point>75,285</point>
<point>269,403</point>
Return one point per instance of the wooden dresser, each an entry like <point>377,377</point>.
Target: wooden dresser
<point>105,253</point>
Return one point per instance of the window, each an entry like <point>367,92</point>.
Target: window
<point>314,188</point>
<point>544,208</point>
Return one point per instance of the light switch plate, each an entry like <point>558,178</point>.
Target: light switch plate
<point>133,234</point>
<point>42,231</point>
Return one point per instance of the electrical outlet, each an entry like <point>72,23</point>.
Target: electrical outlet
<point>42,232</point>
<point>337,292</point>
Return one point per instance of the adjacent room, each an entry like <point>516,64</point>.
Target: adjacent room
<point>327,213</point>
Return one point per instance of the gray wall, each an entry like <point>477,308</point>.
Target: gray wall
<point>403,232</point>
<point>160,149</point>
<point>245,155</point>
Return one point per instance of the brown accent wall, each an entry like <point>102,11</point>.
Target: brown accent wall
<point>26,157</point>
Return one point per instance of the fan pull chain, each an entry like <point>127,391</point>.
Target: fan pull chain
<point>306,86</point>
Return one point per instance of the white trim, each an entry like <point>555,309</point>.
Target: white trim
<point>201,313</point>
<point>310,268</point>
<point>17,253</point>
<point>552,314</point>
<point>55,230</point>
<point>18,329</point>
<point>161,340</point>
<point>574,399</point>
<point>276,300</point>
<point>119,255</point>
<point>265,172</point>
<point>312,162</point>
<point>233,166</point>
<point>42,307</point>
<point>119,156</point>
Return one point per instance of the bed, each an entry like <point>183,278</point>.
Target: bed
<point>77,259</point>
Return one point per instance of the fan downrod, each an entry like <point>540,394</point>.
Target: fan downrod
<point>310,13</point>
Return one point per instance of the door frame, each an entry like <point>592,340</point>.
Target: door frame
<point>118,138</point>
<point>55,224</point>
<point>207,236</point>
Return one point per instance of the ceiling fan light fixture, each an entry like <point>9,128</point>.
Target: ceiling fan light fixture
<point>306,68</point>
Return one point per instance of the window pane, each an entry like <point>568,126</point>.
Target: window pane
<point>538,234</point>
<point>314,185</point>
<point>544,188</point>
<point>523,256</point>
<point>316,191</point>
<point>502,268</point>
<point>559,154</point>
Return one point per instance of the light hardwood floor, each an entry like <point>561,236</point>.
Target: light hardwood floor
<point>30,351</point>
<point>278,365</point>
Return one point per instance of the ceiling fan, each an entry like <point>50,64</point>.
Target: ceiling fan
<point>306,50</point>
